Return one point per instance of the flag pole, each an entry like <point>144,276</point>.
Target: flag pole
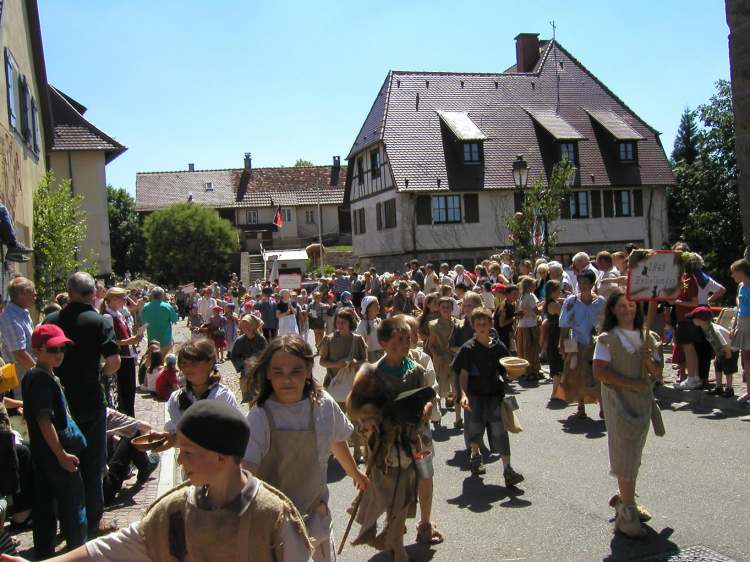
<point>320,230</point>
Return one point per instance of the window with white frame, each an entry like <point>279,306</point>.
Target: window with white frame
<point>579,205</point>
<point>286,214</point>
<point>446,209</point>
<point>209,186</point>
<point>375,163</point>
<point>310,217</point>
<point>252,216</point>
<point>11,84</point>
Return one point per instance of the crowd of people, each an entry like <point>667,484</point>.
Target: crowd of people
<point>405,354</point>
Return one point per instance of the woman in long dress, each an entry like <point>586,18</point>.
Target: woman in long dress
<point>286,312</point>
<point>627,366</point>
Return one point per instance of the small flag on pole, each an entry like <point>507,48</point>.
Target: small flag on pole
<point>278,219</point>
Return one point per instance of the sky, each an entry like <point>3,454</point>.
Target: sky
<point>205,82</point>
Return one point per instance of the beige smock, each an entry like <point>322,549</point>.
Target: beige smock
<point>291,465</point>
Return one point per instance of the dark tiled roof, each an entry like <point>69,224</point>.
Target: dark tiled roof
<point>264,187</point>
<point>74,132</point>
<point>420,150</point>
<point>372,129</point>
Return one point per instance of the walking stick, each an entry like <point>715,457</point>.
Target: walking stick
<point>358,500</point>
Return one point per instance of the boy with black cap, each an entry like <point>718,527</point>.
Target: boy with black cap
<point>223,513</point>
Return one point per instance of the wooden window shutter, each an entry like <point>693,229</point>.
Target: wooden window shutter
<point>424,209</point>
<point>637,202</point>
<point>518,197</point>
<point>378,216</point>
<point>565,207</point>
<point>596,204</point>
<point>354,222</point>
<point>609,208</point>
<point>471,207</point>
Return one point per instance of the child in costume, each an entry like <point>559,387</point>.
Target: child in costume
<point>222,513</point>
<point>437,347</point>
<point>294,427</point>
<point>396,435</point>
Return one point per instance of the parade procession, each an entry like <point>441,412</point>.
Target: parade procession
<point>512,324</point>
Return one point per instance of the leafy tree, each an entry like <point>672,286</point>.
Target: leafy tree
<point>705,197</point>
<point>301,163</point>
<point>125,233</point>
<point>541,201</point>
<point>59,228</point>
<point>187,242</point>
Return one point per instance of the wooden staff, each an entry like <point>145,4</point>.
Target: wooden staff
<point>358,500</point>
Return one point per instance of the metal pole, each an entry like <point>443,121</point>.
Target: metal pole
<point>320,231</point>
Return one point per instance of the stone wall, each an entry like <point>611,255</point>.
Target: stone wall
<point>738,18</point>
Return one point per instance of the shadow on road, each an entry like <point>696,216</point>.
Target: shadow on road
<point>623,548</point>
<point>592,429</point>
<point>478,497</point>
<point>417,553</point>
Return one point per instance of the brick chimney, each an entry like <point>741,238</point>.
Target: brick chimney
<point>191,167</point>
<point>248,162</point>
<point>527,51</point>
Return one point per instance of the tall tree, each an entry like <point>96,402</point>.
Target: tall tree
<point>125,233</point>
<point>187,242</point>
<point>59,229</point>
<point>686,144</point>
<point>706,196</point>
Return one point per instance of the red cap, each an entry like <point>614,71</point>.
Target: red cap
<point>49,335</point>
<point>218,308</point>
<point>701,313</point>
<point>249,304</point>
<point>498,288</point>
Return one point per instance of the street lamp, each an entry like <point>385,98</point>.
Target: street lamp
<point>520,172</point>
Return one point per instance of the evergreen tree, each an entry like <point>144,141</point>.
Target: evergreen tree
<point>686,143</point>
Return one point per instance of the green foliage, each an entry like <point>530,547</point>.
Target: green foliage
<point>541,201</point>
<point>301,163</point>
<point>705,201</point>
<point>187,242</point>
<point>686,142</point>
<point>59,228</point>
<point>125,233</point>
<point>316,273</point>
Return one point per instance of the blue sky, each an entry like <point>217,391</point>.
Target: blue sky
<point>204,82</point>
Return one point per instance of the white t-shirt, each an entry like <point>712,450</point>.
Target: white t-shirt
<point>217,392</point>
<point>371,339</point>
<point>489,300</point>
<point>507,271</point>
<point>630,339</point>
<point>704,292</point>
<point>528,303</point>
<point>331,426</point>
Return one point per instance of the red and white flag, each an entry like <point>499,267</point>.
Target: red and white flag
<point>278,219</point>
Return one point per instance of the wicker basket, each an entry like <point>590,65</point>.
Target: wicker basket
<point>515,367</point>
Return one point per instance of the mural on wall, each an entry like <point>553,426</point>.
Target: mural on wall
<point>10,174</point>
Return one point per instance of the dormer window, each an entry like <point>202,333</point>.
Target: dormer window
<point>568,151</point>
<point>472,153</point>
<point>209,186</point>
<point>626,151</point>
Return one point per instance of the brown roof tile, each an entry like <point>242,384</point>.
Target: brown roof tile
<point>264,187</point>
<point>418,148</point>
<point>73,132</point>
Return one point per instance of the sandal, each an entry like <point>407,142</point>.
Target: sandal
<point>427,533</point>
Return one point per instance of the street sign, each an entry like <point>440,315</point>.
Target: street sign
<point>654,275</point>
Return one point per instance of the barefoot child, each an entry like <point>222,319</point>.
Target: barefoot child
<point>294,427</point>
<point>437,347</point>
<point>482,393</point>
<point>222,513</point>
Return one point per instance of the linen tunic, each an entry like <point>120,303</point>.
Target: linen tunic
<point>628,413</point>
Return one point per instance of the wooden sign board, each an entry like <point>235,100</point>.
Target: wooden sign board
<point>291,281</point>
<point>654,275</point>
<point>189,288</point>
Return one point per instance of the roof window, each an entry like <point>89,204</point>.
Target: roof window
<point>209,186</point>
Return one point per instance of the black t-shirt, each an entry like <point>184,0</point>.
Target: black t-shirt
<point>94,337</point>
<point>42,395</point>
<point>486,374</point>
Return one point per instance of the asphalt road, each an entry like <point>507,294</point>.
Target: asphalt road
<point>694,480</point>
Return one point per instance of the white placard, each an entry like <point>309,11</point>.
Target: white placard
<point>655,277</point>
<point>290,281</point>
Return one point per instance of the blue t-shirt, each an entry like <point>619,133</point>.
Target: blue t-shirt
<point>582,318</point>
<point>743,296</point>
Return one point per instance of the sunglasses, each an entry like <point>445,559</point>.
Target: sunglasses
<point>60,349</point>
